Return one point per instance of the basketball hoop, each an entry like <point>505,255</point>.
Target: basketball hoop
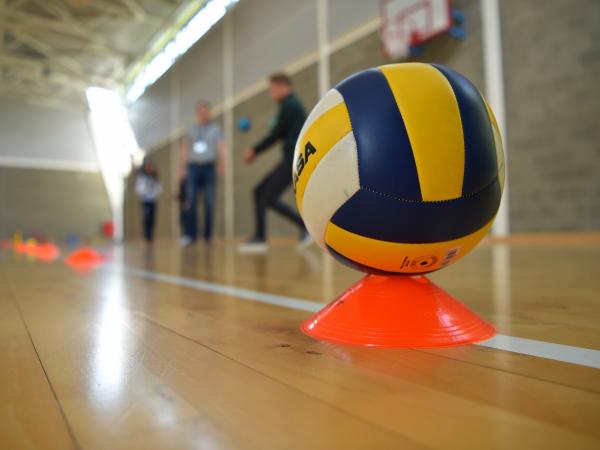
<point>408,23</point>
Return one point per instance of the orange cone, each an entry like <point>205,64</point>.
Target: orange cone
<point>85,259</point>
<point>47,252</point>
<point>20,247</point>
<point>31,246</point>
<point>397,311</point>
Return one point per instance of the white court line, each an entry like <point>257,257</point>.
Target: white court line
<point>565,353</point>
<point>548,350</point>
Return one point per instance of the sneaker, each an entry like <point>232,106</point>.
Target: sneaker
<point>304,241</point>
<point>254,245</point>
<point>185,241</point>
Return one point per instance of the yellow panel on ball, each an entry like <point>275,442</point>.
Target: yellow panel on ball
<point>320,137</point>
<point>425,97</point>
<point>395,257</point>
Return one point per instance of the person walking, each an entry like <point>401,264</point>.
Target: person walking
<point>267,194</point>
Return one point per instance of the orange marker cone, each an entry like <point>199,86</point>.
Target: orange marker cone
<point>20,247</point>
<point>31,246</point>
<point>47,252</point>
<point>397,311</point>
<point>85,259</point>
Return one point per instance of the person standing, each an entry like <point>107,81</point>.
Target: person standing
<point>148,188</point>
<point>267,194</point>
<point>202,155</point>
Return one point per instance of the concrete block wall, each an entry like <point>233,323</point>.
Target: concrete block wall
<point>53,203</point>
<point>552,67</point>
<point>552,75</point>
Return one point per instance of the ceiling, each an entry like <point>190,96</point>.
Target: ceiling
<point>52,50</point>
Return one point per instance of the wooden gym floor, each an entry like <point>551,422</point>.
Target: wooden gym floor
<point>173,349</point>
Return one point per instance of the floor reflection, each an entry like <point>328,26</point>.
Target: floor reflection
<point>501,285</point>
<point>108,357</point>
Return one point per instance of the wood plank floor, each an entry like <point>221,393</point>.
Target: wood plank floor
<point>110,360</point>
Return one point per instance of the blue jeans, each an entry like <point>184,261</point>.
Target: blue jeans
<point>201,178</point>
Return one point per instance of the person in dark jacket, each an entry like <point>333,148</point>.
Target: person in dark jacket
<point>267,194</point>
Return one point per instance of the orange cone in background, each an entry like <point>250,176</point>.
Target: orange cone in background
<point>85,259</point>
<point>20,247</point>
<point>47,252</point>
<point>31,246</point>
<point>397,311</point>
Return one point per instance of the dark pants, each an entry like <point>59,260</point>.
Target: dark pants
<point>148,219</point>
<point>200,179</point>
<point>183,215</point>
<point>267,195</point>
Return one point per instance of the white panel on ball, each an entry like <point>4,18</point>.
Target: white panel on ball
<point>334,180</point>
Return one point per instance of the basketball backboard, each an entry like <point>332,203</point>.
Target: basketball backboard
<point>406,23</point>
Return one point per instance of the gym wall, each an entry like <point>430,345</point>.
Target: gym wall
<point>552,72</point>
<point>552,141</point>
<point>49,178</point>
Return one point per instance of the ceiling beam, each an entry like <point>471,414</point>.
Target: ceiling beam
<point>56,50</point>
<point>2,32</point>
<point>16,4</point>
<point>64,27</point>
<point>53,80</point>
<point>41,71</point>
<point>135,8</point>
<point>55,9</point>
<point>106,6</point>
<point>19,62</point>
<point>41,99</point>
<point>140,13</point>
<point>67,62</point>
<point>55,68</point>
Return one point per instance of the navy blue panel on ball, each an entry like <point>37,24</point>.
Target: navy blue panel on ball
<point>480,149</point>
<point>385,159</point>
<point>377,216</point>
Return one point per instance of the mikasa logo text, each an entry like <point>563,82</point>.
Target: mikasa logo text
<point>309,149</point>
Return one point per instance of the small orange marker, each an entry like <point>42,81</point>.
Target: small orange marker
<point>397,311</point>
<point>47,252</point>
<point>31,246</point>
<point>85,259</point>
<point>20,247</point>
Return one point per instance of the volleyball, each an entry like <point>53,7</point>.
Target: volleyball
<point>399,169</point>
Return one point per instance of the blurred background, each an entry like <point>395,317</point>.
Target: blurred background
<point>67,151</point>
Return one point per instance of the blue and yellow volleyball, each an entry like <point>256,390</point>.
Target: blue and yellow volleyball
<point>400,169</point>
